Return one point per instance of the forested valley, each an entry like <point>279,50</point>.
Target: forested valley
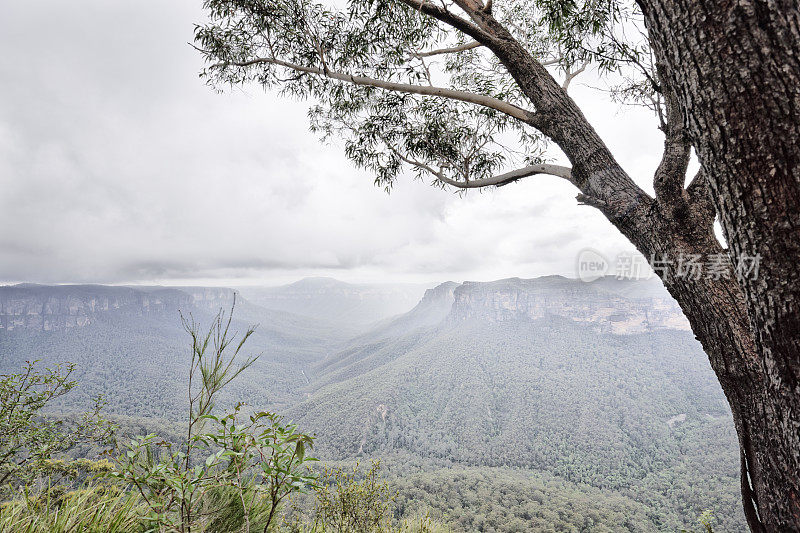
<point>517,405</point>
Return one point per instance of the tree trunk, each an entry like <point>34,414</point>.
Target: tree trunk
<point>718,315</point>
<point>731,76</point>
<point>735,67</point>
<point>730,73</point>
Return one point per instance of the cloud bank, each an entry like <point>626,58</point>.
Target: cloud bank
<point>118,165</point>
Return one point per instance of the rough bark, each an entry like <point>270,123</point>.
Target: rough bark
<point>750,328</point>
<point>735,67</point>
<point>730,75</point>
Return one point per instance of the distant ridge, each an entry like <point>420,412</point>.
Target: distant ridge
<point>129,344</point>
<point>44,307</point>
<point>619,307</point>
<point>338,301</point>
<point>607,304</point>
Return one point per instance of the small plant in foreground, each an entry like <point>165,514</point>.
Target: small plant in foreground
<point>230,477</point>
<point>29,439</point>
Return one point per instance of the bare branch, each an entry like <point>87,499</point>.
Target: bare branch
<point>572,74</point>
<point>453,94</point>
<point>510,177</point>
<point>450,50</point>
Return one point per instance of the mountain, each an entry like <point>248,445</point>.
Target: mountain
<point>51,308</point>
<point>128,343</point>
<point>503,405</point>
<point>607,305</point>
<point>599,384</point>
<point>337,301</point>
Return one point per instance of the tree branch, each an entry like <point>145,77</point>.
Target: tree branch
<point>475,44</point>
<point>413,162</point>
<point>594,169</point>
<point>453,94</point>
<point>498,181</point>
<point>510,177</point>
<point>671,172</point>
<point>442,14</point>
<point>572,74</point>
<point>450,50</point>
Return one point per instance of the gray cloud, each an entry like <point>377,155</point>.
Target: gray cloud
<point>118,165</point>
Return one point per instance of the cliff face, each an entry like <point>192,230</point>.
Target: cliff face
<point>211,298</point>
<point>434,306</point>
<point>608,305</point>
<point>442,293</point>
<point>51,308</point>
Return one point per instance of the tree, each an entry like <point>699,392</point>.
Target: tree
<point>460,90</point>
<point>231,477</point>
<point>28,438</point>
<point>356,501</point>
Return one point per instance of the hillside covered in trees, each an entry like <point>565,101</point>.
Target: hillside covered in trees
<point>490,405</point>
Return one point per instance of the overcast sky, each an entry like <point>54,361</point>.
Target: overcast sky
<point>118,165</point>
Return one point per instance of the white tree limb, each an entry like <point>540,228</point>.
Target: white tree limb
<point>571,74</point>
<point>498,181</point>
<point>450,50</point>
<point>463,96</point>
<point>509,177</point>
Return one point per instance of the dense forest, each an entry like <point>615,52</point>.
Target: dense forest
<point>479,423</point>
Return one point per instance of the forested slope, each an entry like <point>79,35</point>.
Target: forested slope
<point>129,344</point>
<point>497,383</point>
<point>493,404</point>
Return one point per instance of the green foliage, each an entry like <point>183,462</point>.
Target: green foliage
<point>345,503</point>
<point>481,425</point>
<point>546,396</point>
<point>231,477</point>
<point>706,521</point>
<point>231,509</point>
<point>506,500</point>
<point>384,132</point>
<point>352,501</point>
<point>93,509</point>
<point>311,49</point>
<point>275,450</point>
<point>28,438</point>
